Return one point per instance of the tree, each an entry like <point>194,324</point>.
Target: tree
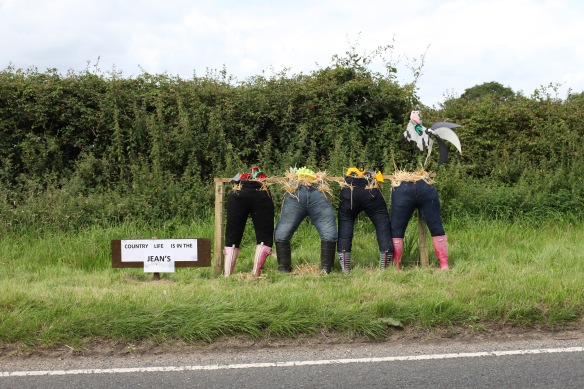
<point>493,89</point>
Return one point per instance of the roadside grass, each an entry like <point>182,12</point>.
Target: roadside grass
<point>59,289</point>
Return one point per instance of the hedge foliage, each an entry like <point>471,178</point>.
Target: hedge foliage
<point>88,148</point>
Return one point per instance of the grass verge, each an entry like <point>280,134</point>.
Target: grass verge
<point>59,289</point>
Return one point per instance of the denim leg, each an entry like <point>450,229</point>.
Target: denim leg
<point>429,206</point>
<point>322,214</point>
<point>376,209</point>
<point>403,204</point>
<point>346,217</point>
<point>294,210</point>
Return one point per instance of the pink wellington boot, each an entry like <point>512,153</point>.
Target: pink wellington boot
<point>441,248</point>
<point>398,250</point>
<point>230,259</point>
<point>259,259</point>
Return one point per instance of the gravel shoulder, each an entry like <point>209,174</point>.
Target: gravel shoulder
<point>236,350</point>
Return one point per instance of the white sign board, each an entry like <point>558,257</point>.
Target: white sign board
<point>155,266</point>
<point>159,255</point>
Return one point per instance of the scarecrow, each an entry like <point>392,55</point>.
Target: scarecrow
<point>416,190</point>
<point>250,196</point>
<point>307,195</point>
<point>360,192</point>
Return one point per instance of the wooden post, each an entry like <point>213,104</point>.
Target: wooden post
<point>422,241</point>
<point>219,240</point>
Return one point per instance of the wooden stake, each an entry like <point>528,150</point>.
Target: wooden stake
<point>219,240</point>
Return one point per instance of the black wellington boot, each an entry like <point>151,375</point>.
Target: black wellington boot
<point>328,252</point>
<point>284,255</point>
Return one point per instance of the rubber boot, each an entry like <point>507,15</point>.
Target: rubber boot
<point>230,259</point>
<point>345,259</point>
<point>284,255</point>
<point>398,250</point>
<point>441,248</point>
<point>385,258</point>
<point>259,258</point>
<point>327,255</point>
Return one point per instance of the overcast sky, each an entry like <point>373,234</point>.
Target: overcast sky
<point>522,44</point>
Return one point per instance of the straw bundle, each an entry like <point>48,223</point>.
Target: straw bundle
<point>292,180</point>
<point>400,176</point>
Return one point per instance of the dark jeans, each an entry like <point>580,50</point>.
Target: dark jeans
<point>352,203</point>
<point>240,204</point>
<point>415,195</point>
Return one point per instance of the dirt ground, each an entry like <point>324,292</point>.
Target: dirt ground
<point>109,349</point>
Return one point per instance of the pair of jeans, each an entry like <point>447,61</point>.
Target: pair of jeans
<point>250,200</point>
<point>409,196</point>
<point>357,199</point>
<point>307,201</point>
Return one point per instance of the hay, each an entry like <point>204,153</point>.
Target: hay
<point>264,183</point>
<point>306,268</point>
<point>372,184</point>
<point>237,185</point>
<point>292,181</point>
<point>400,176</point>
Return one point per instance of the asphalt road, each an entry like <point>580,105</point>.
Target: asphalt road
<point>537,360</point>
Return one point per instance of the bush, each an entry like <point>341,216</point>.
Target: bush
<point>81,148</point>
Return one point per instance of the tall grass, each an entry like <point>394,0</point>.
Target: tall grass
<point>59,288</point>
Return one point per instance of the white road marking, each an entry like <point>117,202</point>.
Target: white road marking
<point>289,363</point>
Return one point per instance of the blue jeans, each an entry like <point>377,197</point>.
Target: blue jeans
<point>411,195</point>
<point>307,201</point>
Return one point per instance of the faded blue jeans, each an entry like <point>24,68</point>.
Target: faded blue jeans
<point>311,202</point>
